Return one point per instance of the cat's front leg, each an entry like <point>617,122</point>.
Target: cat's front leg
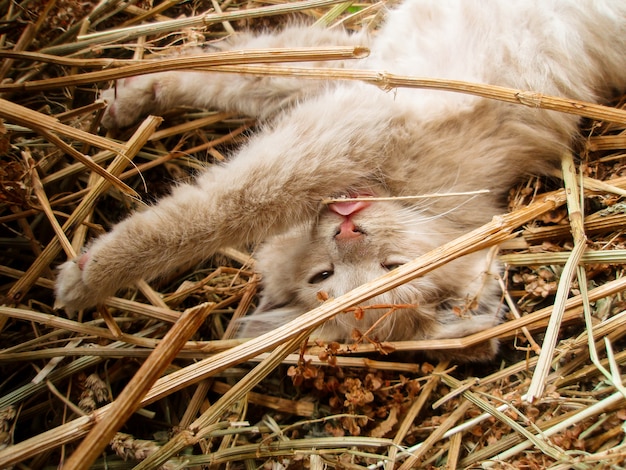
<point>145,245</point>
<point>276,181</point>
<point>258,97</point>
<point>135,97</point>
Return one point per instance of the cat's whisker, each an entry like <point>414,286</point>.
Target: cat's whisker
<point>406,198</point>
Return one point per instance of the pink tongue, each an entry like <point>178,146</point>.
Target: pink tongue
<point>348,207</point>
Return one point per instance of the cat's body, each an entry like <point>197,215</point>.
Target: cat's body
<point>348,138</point>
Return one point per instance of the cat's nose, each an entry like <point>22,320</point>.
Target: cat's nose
<point>348,231</point>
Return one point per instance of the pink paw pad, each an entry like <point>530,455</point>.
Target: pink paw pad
<point>82,261</point>
<point>111,110</point>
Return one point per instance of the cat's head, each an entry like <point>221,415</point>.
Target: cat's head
<point>353,242</point>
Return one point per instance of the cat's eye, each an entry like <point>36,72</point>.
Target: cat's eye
<point>391,266</point>
<point>321,276</point>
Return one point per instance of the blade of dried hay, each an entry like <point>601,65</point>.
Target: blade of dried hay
<point>454,452</point>
<point>602,330</point>
<point>51,365</point>
<point>332,14</point>
<point>28,34</point>
<point>587,412</point>
<point>193,21</point>
<point>189,126</point>
<point>208,59</point>
<point>204,424</point>
<point>44,125</point>
<point>327,445</point>
<point>70,325</point>
<point>412,413</point>
<point>607,142</point>
<point>88,162</point>
<point>128,400</point>
<point>538,381</point>
<point>27,117</point>
<point>125,155</point>
<point>589,257</point>
<point>73,168</point>
<point>609,223</point>
<point>45,205</point>
<point>151,295</point>
<point>546,447</point>
<point>613,377</point>
<point>388,81</point>
<point>589,370</point>
<point>603,186</point>
<point>371,15</point>
<point>295,407</point>
<point>436,435</point>
<point>188,62</point>
<point>154,11</point>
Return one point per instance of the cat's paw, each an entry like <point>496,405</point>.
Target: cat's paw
<point>71,290</point>
<point>129,100</point>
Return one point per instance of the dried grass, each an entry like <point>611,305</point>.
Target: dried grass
<point>555,399</point>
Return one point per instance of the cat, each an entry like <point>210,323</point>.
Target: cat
<point>321,139</point>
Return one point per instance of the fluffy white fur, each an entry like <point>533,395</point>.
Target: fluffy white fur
<point>330,138</point>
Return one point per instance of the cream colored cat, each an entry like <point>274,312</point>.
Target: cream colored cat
<point>329,139</point>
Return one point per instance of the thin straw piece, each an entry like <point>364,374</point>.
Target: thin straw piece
<point>412,413</point>
<point>26,117</point>
<point>45,204</point>
<point>132,68</point>
<point>589,257</point>
<point>128,400</point>
<point>203,425</point>
<point>45,125</point>
<point>451,420</point>
<point>195,21</point>
<point>538,382</point>
<point>585,413</point>
<point>390,81</point>
<point>126,153</point>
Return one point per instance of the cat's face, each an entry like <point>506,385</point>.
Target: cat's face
<point>353,243</point>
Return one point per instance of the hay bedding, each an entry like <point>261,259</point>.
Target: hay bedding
<point>299,407</point>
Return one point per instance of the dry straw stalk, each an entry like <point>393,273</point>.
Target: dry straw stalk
<point>128,400</point>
